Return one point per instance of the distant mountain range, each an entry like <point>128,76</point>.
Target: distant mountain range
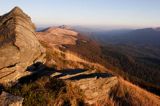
<point>146,36</point>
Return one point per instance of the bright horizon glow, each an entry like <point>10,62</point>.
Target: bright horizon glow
<point>114,13</point>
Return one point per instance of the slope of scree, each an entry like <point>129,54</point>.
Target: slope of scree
<point>19,46</point>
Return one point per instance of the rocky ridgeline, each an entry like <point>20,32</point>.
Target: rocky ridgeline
<point>19,47</point>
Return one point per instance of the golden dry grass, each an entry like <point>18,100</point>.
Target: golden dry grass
<point>126,93</point>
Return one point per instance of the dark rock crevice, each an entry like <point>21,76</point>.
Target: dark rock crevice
<point>10,66</point>
<point>8,74</point>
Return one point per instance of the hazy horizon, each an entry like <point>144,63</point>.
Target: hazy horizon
<point>95,13</point>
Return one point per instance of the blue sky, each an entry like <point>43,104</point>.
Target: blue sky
<point>118,13</point>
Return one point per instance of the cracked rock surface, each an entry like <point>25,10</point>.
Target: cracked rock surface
<point>19,47</point>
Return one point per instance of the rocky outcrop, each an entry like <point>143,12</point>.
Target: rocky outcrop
<point>7,99</point>
<point>96,90</point>
<point>19,47</point>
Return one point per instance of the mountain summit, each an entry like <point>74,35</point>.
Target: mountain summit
<point>16,10</point>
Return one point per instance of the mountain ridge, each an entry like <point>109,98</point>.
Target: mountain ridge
<point>56,59</point>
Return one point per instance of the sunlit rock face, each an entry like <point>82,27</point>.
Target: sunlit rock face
<point>19,46</point>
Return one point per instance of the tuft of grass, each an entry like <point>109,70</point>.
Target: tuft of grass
<point>48,91</point>
<point>38,93</point>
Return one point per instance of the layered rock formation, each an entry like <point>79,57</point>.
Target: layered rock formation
<point>19,47</point>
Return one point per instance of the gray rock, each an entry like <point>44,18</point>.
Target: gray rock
<point>19,47</point>
<point>7,99</point>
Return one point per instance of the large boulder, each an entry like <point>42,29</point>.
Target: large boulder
<point>19,47</point>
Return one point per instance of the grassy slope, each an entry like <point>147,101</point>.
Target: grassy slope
<point>122,61</point>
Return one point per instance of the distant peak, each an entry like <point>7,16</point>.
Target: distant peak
<point>157,29</point>
<point>64,27</point>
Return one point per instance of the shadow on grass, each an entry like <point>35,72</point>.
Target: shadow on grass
<point>92,75</point>
<point>39,70</point>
